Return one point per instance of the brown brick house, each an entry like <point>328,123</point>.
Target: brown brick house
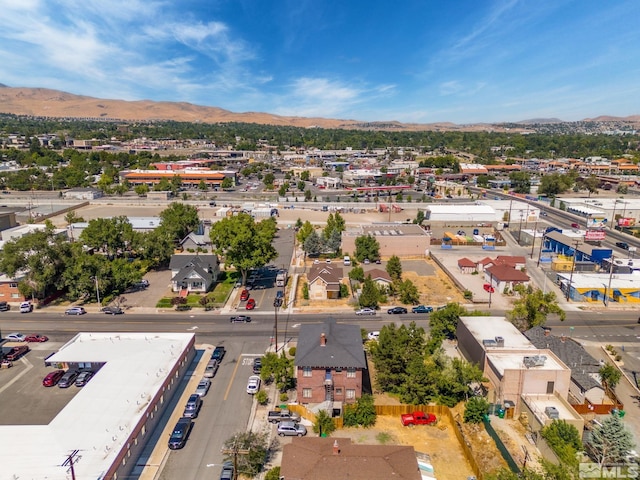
<point>329,363</point>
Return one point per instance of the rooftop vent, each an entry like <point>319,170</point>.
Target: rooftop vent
<point>499,341</point>
<point>534,361</point>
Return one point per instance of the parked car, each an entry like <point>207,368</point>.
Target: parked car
<point>622,245</point>
<point>52,378</point>
<point>4,306</point>
<point>75,311</point>
<point>488,288</point>
<point>366,261</point>
<point>180,433</point>
<point>68,379</point>
<point>203,387</point>
<point>26,307</point>
<point>277,302</point>
<point>277,416</point>
<point>211,369</point>
<point>192,408</point>
<point>16,353</point>
<point>36,338</point>
<point>251,304</point>
<point>291,429</point>
<point>575,225</point>
<point>417,418</point>
<point>366,311</point>
<point>218,353</point>
<point>373,335</point>
<point>83,378</point>
<point>112,310</point>
<point>228,471</point>
<point>396,310</point>
<point>421,309</point>
<point>253,384</point>
<point>16,337</point>
<point>257,365</point>
<point>240,319</point>
<point>244,295</point>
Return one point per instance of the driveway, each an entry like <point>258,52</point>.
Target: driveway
<point>159,286</point>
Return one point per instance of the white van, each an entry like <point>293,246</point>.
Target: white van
<point>346,260</point>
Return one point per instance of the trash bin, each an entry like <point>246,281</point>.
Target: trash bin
<point>501,413</point>
<point>621,413</point>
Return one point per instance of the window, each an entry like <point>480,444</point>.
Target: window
<point>338,370</point>
<point>338,392</point>
<point>13,285</point>
<point>306,393</point>
<point>351,394</point>
<point>550,388</point>
<point>351,372</point>
<point>15,295</point>
<point>306,371</point>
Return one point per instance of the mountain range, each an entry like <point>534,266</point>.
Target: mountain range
<point>42,102</point>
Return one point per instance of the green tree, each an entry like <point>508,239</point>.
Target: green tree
<point>370,296</point>
<point>279,369</point>
<point>357,273</point>
<point>141,190</point>
<point>408,292</point>
<point>475,410</point>
<point>344,291</point>
<point>362,413</point>
<point>202,186</point>
<point>256,447</point>
<point>419,217</point>
<point>244,243</point>
<point>268,180</point>
<point>394,268</point>
<point>178,219</point>
<point>564,439</point>
<point>72,217</point>
<point>367,247</point>
<point>611,442</point>
<point>313,244</point>
<point>520,182</point>
<point>227,183</point>
<point>533,307</point>
<point>554,184</point>
<point>610,376</point>
<point>307,195</point>
<point>273,474</point>
<point>113,236</point>
<point>304,230</point>
<point>591,184</point>
<point>305,175</point>
<point>300,185</point>
<point>443,324</point>
<point>324,424</point>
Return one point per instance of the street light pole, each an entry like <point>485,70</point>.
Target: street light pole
<point>573,266</point>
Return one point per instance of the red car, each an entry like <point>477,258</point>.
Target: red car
<point>53,378</point>
<point>36,337</point>
<point>488,288</point>
<point>251,304</point>
<point>244,295</point>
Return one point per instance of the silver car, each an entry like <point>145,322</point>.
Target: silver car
<point>203,387</point>
<point>291,429</point>
<point>211,369</point>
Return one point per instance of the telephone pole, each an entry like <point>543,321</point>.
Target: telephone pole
<point>235,450</point>
<point>573,266</point>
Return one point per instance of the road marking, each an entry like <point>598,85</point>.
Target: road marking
<point>192,328</point>
<point>233,375</point>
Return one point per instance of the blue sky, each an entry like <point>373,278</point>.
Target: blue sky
<point>421,61</point>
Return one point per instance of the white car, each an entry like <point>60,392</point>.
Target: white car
<point>16,337</point>
<point>26,307</point>
<point>203,387</point>
<point>366,311</point>
<point>373,335</point>
<point>253,385</point>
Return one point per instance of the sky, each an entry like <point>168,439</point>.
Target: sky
<point>414,61</point>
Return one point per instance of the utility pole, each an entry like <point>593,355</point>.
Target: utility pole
<point>606,292</point>
<point>573,266</point>
<point>533,240</point>
<point>540,251</point>
<point>235,450</point>
<point>69,462</point>
<point>275,328</point>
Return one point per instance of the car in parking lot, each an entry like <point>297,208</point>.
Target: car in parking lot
<point>373,335</point>
<point>180,433</point>
<point>277,302</point>
<point>257,365</point>
<point>228,471</point>
<point>16,353</point>
<point>421,309</point>
<point>16,337</point>
<point>488,288</point>
<point>75,311</point>
<point>396,310</point>
<point>203,387</point>
<point>36,338</point>
<point>244,295</point>
<point>192,408</point>
<point>622,245</point>
<point>253,384</point>
<point>291,429</point>
<point>218,353</point>
<point>251,304</point>
<point>52,378</point>
<point>240,319</point>
<point>211,369</point>
<point>83,378</point>
<point>366,311</point>
<point>112,310</point>
<point>68,379</point>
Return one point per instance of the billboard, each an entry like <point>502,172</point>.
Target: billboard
<point>596,222</point>
<point>626,222</point>
<point>595,235</point>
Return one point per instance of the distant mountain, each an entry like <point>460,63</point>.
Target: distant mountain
<point>42,102</point>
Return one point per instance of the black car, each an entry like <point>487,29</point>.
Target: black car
<point>83,378</point>
<point>218,353</point>
<point>112,310</point>
<point>180,433</point>
<point>396,310</point>
<point>257,365</point>
<point>622,245</point>
<point>240,319</point>
<point>277,302</point>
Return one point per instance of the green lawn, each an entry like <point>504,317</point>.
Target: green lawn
<point>217,297</point>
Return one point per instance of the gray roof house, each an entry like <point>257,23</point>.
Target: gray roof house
<point>195,241</point>
<point>585,383</point>
<point>329,363</point>
<point>193,273</point>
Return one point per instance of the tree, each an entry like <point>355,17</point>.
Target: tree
<point>202,186</point>
<point>611,442</point>
<point>475,410</point>
<point>72,217</point>
<point>279,369</point>
<point>533,307</point>
<point>313,244</point>
<point>591,184</point>
<point>304,230</point>
<point>443,324</point>
<point>113,236</point>
<point>141,190</point>
<point>362,413</point>
<point>408,292</point>
<point>554,184</point>
<point>227,183</point>
<point>301,185</point>
<point>305,175</point>
<point>324,424</point>
<point>268,180</point>
<point>273,474</point>
<point>564,439</point>
<point>520,181</point>
<point>370,295</point>
<point>178,219</point>
<point>367,247</point>
<point>394,268</point>
<point>334,242</point>
<point>357,273</point>
<point>244,243</point>
<point>610,376</point>
<point>248,451</point>
<point>419,217</point>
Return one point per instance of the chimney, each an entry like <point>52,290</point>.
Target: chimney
<point>563,338</point>
<point>546,332</point>
<point>323,340</point>
<point>336,447</point>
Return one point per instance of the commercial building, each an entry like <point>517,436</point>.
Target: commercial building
<point>403,240</point>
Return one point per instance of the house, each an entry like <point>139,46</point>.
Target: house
<point>329,363</point>
<point>503,276</point>
<point>9,287</point>
<point>195,242</point>
<point>484,263</point>
<point>379,276</point>
<point>193,273</point>
<point>324,281</point>
<point>514,261</point>
<point>466,266</point>
<point>82,193</point>
<point>330,458</point>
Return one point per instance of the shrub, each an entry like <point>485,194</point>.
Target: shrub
<point>468,294</point>
<point>305,291</point>
<point>292,352</point>
<point>262,398</point>
<point>324,423</point>
<point>618,358</point>
<point>284,397</point>
<point>273,474</point>
<point>475,409</point>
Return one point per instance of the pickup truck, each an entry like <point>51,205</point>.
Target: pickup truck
<point>418,418</point>
<point>276,416</point>
<point>16,353</point>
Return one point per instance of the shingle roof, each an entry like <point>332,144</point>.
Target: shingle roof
<point>205,261</point>
<point>465,262</point>
<point>343,346</point>
<point>328,273</point>
<point>572,354</point>
<point>503,273</point>
<point>378,274</point>
<point>312,458</point>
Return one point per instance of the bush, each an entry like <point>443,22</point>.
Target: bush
<point>468,295</point>
<point>284,397</point>
<point>475,409</point>
<point>292,352</point>
<point>305,291</point>
<point>262,398</point>
<point>618,358</point>
<point>273,474</point>
<point>324,423</point>
<point>362,413</point>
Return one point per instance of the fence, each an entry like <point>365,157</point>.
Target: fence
<point>501,448</point>
<point>307,414</point>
